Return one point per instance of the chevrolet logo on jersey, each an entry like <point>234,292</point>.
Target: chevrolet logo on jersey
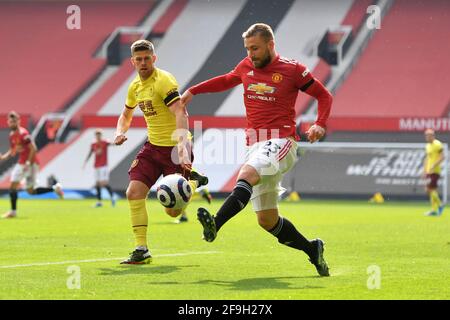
<point>260,88</point>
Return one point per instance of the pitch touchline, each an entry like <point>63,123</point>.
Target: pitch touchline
<point>104,259</point>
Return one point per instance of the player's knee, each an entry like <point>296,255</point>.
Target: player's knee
<point>173,212</point>
<point>135,194</point>
<point>266,223</point>
<point>249,174</point>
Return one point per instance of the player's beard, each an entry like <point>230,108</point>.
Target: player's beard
<point>263,62</point>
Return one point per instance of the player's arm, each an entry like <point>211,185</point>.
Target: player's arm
<point>123,124</point>
<point>181,132</point>
<point>33,150</point>
<point>87,158</point>
<point>6,155</point>
<point>438,161</point>
<point>314,88</point>
<point>216,84</point>
<point>425,163</point>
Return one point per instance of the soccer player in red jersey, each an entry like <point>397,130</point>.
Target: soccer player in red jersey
<point>271,84</point>
<point>27,166</point>
<point>100,149</point>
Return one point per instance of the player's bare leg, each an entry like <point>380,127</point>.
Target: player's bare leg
<point>137,194</point>
<point>287,234</point>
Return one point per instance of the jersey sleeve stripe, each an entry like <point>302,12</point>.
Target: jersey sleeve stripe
<point>307,85</point>
<point>129,107</point>
<point>171,98</point>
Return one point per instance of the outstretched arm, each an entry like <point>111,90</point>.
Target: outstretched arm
<point>6,155</point>
<point>217,84</point>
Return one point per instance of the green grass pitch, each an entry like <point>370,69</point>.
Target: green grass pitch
<point>41,246</point>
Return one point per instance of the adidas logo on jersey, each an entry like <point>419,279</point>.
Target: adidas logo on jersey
<point>250,73</point>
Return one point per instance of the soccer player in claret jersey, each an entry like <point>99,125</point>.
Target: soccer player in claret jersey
<point>27,166</point>
<point>168,149</point>
<point>100,149</point>
<point>271,84</point>
<point>432,171</point>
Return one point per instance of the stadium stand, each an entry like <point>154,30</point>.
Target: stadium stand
<point>211,55</point>
<point>391,78</point>
<point>214,16</point>
<point>52,63</point>
<point>357,14</point>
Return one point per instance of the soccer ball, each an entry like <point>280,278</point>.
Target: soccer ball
<point>174,191</point>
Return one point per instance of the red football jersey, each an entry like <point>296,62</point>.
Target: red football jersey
<point>100,150</point>
<point>19,142</point>
<point>269,96</point>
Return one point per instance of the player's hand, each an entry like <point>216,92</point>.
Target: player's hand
<point>184,158</point>
<point>315,132</point>
<point>120,139</point>
<point>186,98</point>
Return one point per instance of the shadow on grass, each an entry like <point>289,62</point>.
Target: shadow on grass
<point>122,270</point>
<point>252,284</point>
<point>173,223</point>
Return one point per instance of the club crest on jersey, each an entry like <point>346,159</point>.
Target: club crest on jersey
<point>277,77</point>
<point>147,108</point>
<point>260,88</point>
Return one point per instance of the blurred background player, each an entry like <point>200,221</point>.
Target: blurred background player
<point>100,149</point>
<point>432,171</point>
<point>27,166</point>
<point>168,149</point>
<point>271,84</point>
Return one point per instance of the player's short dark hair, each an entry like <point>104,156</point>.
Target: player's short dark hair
<point>264,30</point>
<point>98,131</point>
<point>142,45</point>
<point>13,115</point>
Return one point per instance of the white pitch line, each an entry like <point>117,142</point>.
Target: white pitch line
<point>104,259</point>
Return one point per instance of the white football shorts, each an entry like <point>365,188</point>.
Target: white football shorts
<point>101,174</point>
<point>271,159</point>
<point>30,174</point>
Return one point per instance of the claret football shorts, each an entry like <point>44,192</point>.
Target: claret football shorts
<point>153,161</point>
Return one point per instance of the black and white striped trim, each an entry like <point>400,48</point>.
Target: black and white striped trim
<point>278,227</point>
<point>244,185</point>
